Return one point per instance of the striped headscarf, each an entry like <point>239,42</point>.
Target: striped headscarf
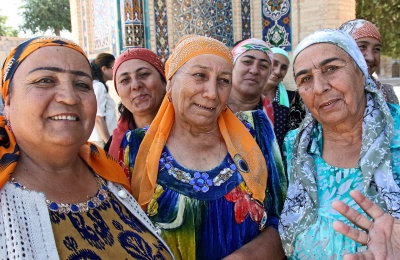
<point>94,156</point>
<point>251,44</point>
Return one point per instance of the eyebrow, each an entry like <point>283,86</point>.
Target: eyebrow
<point>368,43</point>
<point>57,69</point>
<point>209,69</point>
<point>322,63</point>
<point>137,70</point>
<point>254,58</point>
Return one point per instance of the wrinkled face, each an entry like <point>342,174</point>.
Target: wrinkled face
<point>250,73</point>
<point>52,99</point>
<point>371,49</point>
<point>200,90</point>
<point>330,83</point>
<point>140,87</point>
<point>280,65</point>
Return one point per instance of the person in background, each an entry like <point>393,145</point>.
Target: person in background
<point>274,90</point>
<point>212,181</point>
<point>139,80</point>
<point>369,41</point>
<point>106,118</point>
<point>62,197</point>
<point>252,61</point>
<point>349,140</point>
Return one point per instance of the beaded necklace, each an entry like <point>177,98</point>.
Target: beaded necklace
<point>81,207</point>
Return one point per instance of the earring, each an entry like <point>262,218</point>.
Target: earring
<point>169,98</point>
<point>225,108</point>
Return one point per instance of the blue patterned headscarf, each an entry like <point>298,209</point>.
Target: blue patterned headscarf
<point>301,206</point>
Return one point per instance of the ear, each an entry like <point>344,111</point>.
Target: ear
<point>7,107</point>
<point>103,69</point>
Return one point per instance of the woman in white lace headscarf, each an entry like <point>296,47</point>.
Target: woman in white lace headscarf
<point>348,141</point>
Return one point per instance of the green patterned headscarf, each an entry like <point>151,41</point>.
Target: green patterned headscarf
<point>301,205</point>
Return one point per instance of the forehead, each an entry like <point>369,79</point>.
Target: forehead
<point>281,58</point>
<point>259,55</point>
<point>55,56</point>
<point>315,54</point>
<point>133,65</point>
<point>211,61</point>
<point>368,40</point>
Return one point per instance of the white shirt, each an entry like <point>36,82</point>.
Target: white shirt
<point>105,108</point>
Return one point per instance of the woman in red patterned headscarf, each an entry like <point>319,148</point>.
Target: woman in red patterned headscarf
<point>369,42</point>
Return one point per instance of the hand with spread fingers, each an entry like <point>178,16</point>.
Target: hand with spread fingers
<point>381,235</point>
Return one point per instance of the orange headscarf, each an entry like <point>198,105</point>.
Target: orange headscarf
<point>103,164</point>
<point>238,140</point>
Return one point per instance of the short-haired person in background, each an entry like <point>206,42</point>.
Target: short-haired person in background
<point>106,118</point>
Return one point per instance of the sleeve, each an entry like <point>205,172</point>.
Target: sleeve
<point>395,142</point>
<point>277,181</point>
<point>100,92</point>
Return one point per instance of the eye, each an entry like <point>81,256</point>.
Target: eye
<point>331,68</point>
<point>247,62</point>
<point>377,49</point>
<point>303,80</point>
<point>84,85</point>
<point>143,75</point>
<point>264,66</point>
<point>124,81</point>
<point>362,46</point>
<point>224,81</point>
<point>44,81</point>
<point>199,75</point>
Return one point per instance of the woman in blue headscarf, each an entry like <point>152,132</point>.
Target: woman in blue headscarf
<point>349,140</point>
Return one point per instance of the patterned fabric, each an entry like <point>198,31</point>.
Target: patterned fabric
<point>360,28</point>
<point>302,204</point>
<point>276,23</point>
<point>19,53</point>
<point>191,46</point>
<point>251,44</point>
<point>141,54</point>
<point>297,111</point>
<point>212,223</point>
<point>278,115</point>
<point>108,231</point>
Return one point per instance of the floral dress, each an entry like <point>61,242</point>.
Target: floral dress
<point>209,215</point>
<point>320,240</point>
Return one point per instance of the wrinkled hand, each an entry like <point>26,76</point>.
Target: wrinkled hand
<point>382,235</point>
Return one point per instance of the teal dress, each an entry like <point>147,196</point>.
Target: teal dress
<point>320,240</point>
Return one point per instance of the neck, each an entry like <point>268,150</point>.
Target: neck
<point>144,120</point>
<point>270,92</point>
<point>239,102</point>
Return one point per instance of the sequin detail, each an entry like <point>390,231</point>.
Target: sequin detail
<point>200,181</point>
<point>81,207</point>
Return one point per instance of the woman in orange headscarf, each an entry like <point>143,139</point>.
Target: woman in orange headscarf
<point>210,180</point>
<point>61,197</point>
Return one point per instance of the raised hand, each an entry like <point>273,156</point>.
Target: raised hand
<point>382,235</point>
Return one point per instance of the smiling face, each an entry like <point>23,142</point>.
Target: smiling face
<point>250,73</point>
<point>371,49</point>
<point>331,84</point>
<point>280,65</point>
<point>140,87</point>
<point>52,100</point>
<point>200,90</point>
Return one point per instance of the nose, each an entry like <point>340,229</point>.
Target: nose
<point>368,55</point>
<point>135,84</point>
<point>321,84</point>
<point>66,93</point>
<point>254,68</point>
<point>210,89</point>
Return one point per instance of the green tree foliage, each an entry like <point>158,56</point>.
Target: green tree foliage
<point>385,14</point>
<point>6,30</point>
<point>43,15</point>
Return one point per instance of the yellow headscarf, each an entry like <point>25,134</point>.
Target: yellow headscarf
<point>102,163</point>
<point>239,142</point>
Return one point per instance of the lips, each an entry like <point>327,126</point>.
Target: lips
<point>140,97</point>
<point>328,104</point>
<point>67,117</point>
<point>205,107</point>
<point>251,80</point>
